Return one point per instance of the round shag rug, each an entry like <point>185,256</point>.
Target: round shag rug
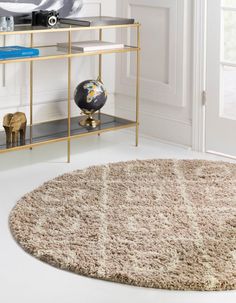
<point>167,224</point>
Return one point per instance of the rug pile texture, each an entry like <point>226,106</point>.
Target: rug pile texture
<point>168,224</point>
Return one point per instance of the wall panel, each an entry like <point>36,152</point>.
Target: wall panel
<point>165,66</point>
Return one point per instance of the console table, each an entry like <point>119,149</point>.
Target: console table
<point>67,129</point>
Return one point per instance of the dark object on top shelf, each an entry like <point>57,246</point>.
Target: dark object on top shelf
<point>90,96</point>
<point>23,19</point>
<point>45,18</point>
<point>97,21</point>
<point>13,125</point>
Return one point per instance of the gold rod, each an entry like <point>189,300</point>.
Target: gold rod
<point>55,120</point>
<point>100,57</point>
<point>69,99</point>
<point>66,29</point>
<point>85,54</point>
<point>100,75</point>
<point>138,87</point>
<point>4,66</point>
<point>31,91</point>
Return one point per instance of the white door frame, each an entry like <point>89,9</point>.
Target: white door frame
<point>199,75</point>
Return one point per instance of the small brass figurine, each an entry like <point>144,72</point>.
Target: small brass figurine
<point>13,125</point>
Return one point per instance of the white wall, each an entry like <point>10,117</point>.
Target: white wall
<point>50,77</point>
<point>166,72</point>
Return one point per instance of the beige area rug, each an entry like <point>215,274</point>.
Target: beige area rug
<point>159,223</point>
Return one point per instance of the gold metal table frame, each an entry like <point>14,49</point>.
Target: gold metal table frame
<point>20,30</point>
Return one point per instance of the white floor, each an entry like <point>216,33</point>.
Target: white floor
<point>24,279</point>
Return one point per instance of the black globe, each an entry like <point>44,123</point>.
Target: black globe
<point>90,96</point>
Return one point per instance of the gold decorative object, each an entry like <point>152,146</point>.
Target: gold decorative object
<point>90,96</point>
<point>13,125</point>
<point>89,122</point>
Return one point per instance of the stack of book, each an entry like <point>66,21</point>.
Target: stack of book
<point>89,46</point>
<point>10,52</point>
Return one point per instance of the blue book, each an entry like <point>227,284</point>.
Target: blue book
<point>10,52</point>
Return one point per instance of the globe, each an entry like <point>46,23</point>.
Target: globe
<point>90,96</point>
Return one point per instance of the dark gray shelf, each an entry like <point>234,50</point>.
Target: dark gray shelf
<point>56,130</point>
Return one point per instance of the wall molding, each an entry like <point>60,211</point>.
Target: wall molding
<point>173,92</point>
<point>176,131</point>
<point>92,2</point>
<point>152,124</point>
<point>165,109</point>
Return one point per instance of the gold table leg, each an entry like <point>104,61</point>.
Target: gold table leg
<point>4,65</point>
<point>100,75</point>
<point>137,88</point>
<point>31,91</point>
<point>69,100</point>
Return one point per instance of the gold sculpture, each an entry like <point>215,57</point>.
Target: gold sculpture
<point>13,125</point>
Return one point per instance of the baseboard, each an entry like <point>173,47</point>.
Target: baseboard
<point>159,126</point>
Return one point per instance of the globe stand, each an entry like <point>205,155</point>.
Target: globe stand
<point>90,122</point>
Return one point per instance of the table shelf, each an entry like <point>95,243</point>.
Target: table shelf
<point>28,29</point>
<point>52,53</point>
<point>57,130</point>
